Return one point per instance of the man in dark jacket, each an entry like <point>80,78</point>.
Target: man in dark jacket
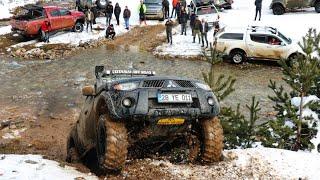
<point>192,20</point>
<point>258,4</point>
<point>110,33</point>
<point>117,11</point>
<point>196,29</point>
<point>169,25</point>
<point>165,8</point>
<point>109,12</point>
<point>178,11</point>
<point>126,17</point>
<point>183,21</point>
<point>204,31</point>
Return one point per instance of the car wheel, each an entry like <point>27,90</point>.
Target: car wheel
<point>78,27</point>
<point>72,153</point>
<point>317,6</point>
<point>102,4</point>
<point>237,57</point>
<point>212,140</point>
<point>277,9</point>
<point>112,144</point>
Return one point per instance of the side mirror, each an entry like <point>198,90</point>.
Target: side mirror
<point>283,44</point>
<point>87,91</point>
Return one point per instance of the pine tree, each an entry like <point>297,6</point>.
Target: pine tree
<point>238,131</point>
<point>291,130</point>
<point>222,86</point>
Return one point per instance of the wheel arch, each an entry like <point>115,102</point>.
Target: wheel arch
<point>237,49</point>
<point>277,3</point>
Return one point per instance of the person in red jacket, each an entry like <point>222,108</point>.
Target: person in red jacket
<point>45,26</point>
<point>174,8</point>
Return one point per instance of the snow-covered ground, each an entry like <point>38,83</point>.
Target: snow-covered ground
<point>294,25</point>
<point>7,5</point>
<point>35,167</point>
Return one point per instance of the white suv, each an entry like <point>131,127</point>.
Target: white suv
<point>255,42</point>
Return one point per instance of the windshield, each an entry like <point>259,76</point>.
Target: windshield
<point>287,40</point>
<point>152,1</point>
<point>206,10</point>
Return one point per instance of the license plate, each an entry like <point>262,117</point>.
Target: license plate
<point>174,98</point>
<point>171,121</point>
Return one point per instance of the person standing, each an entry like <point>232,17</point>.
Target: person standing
<point>126,17</point>
<point>196,29</point>
<point>142,12</point>
<point>204,32</point>
<point>258,4</point>
<point>174,8</point>
<point>45,26</point>
<point>192,20</point>
<point>165,8</point>
<point>109,12</point>
<point>169,25</point>
<point>110,33</point>
<point>117,11</point>
<point>183,21</point>
<point>89,19</point>
<point>178,11</point>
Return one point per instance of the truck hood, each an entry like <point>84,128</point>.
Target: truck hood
<point>209,17</point>
<point>77,13</point>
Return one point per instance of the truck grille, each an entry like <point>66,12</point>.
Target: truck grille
<point>160,83</point>
<point>153,83</point>
<point>183,83</point>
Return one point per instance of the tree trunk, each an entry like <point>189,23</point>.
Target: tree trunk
<point>298,142</point>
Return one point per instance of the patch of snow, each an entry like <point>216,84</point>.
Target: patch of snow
<point>5,30</point>
<point>35,167</point>
<point>7,5</point>
<point>14,134</point>
<point>293,25</point>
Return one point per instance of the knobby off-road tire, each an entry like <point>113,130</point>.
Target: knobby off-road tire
<point>116,144</point>
<point>72,153</point>
<point>212,133</point>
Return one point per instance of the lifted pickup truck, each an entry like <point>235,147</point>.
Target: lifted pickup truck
<point>255,42</point>
<point>29,24</point>
<point>279,7</point>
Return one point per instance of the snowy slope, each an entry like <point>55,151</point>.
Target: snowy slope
<point>293,25</point>
<point>35,167</point>
<point>7,5</point>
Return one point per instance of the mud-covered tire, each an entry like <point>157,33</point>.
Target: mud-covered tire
<point>212,137</point>
<point>237,56</point>
<point>277,9</point>
<point>112,144</point>
<point>72,153</point>
<point>317,6</point>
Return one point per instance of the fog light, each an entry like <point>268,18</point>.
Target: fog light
<point>211,101</point>
<point>127,102</point>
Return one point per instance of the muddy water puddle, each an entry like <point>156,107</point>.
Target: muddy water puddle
<point>54,86</point>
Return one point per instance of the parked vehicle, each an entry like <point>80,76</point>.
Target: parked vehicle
<point>154,9</point>
<point>29,24</point>
<point>255,42</point>
<point>209,12</point>
<point>98,7</point>
<point>155,108</point>
<point>223,4</point>
<point>279,7</point>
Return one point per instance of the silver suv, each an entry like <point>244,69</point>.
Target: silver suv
<point>154,9</point>
<point>279,7</point>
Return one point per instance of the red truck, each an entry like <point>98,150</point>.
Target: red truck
<point>29,23</point>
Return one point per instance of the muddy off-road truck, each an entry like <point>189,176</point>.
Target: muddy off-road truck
<point>128,106</point>
<point>279,7</point>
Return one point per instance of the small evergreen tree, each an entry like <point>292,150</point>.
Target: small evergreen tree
<point>238,131</point>
<point>291,130</point>
<point>222,86</point>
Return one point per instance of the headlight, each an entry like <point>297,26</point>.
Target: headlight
<point>126,86</point>
<point>203,86</point>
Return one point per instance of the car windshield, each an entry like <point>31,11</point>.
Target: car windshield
<point>287,40</point>
<point>152,1</point>
<point>206,10</point>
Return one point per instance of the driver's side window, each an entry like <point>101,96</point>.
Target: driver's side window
<point>272,40</point>
<point>65,12</point>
